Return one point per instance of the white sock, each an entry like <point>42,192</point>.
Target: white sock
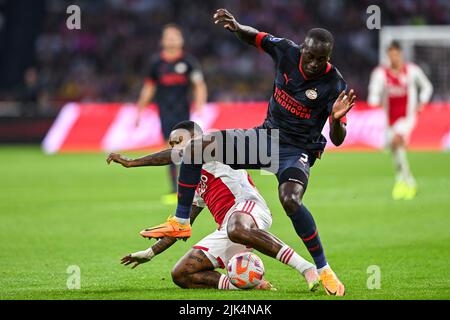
<point>325,267</point>
<point>182,221</point>
<point>288,256</point>
<point>402,167</point>
<point>225,284</point>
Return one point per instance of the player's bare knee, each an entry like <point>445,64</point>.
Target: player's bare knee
<point>290,195</point>
<point>397,142</point>
<point>180,278</point>
<point>290,201</point>
<point>238,232</point>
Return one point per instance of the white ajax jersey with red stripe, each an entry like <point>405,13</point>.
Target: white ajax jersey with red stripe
<point>221,187</point>
<point>400,93</point>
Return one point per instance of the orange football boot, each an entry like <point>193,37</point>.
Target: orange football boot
<point>171,228</point>
<point>333,286</point>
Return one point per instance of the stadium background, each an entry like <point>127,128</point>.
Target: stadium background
<point>69,209</point>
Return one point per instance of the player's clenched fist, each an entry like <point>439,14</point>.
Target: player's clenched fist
<point>343,104</point>
<point>229,22</point>
<point>118,158</point>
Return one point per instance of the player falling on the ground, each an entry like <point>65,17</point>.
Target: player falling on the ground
<point>243,219</point>
<point>308,90</point>
<point>396,88</point>
<point>171,74</point>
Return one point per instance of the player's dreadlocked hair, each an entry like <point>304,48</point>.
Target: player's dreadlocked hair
<point>322,35</point>
<point>188,125</point>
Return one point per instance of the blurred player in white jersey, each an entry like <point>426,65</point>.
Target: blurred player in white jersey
<point>403,90</point>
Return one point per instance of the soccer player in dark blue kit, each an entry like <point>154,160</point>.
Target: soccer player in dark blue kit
<point>171,75</point>
<point>307,92</point>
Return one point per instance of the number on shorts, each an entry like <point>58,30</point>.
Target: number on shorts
<point>304,158</point>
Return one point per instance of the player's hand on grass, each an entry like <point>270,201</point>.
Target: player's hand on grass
<point>229,22</point>
<point>343,104</point>
<point>118,158</point>
<point>136,259</point>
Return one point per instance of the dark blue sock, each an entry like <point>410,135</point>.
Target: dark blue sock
<point>187,183</point>
<point>173,176</point>
<point>306,229</point>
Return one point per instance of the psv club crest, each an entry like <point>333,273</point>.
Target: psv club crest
<point>181,67</point>
<point>311,94</point>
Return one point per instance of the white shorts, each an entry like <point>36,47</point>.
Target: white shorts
<point>403,127</point>
<point>219,248</point>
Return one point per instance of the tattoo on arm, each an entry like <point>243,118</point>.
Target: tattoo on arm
<point>163,244</point>
<point>161,158</point>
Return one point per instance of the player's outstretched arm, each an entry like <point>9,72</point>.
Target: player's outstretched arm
<point>161,158</point>
<point>147,93</point>
<point>343,104</point>
<point>159,247</point>
<point>246,34</point>
<point>144,256</point>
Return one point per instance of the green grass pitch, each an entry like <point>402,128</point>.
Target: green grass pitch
<point>73,209</point>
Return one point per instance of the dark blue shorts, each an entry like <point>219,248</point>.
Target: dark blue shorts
<point>167,123</point>
<point>254,149</point>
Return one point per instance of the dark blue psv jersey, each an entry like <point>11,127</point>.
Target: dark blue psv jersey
<point>173,79</point>
<point>299,106</point>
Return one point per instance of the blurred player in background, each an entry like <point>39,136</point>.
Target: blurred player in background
<point>241,214</point>
<point>403,89</point>
<point>168,84</point>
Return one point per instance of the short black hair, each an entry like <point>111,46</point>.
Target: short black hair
<point>322,35</point>
<point>395,45</point>
<point>192,126</point>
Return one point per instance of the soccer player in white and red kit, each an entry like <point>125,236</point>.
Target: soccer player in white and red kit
<point>403,90</point>
<point>241,214</point>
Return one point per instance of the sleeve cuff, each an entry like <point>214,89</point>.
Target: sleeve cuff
<point>259,38</point>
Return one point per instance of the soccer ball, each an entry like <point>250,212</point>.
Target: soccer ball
<point>245,270</point>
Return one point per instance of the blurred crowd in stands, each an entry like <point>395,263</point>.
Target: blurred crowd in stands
<point>107,59</point>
